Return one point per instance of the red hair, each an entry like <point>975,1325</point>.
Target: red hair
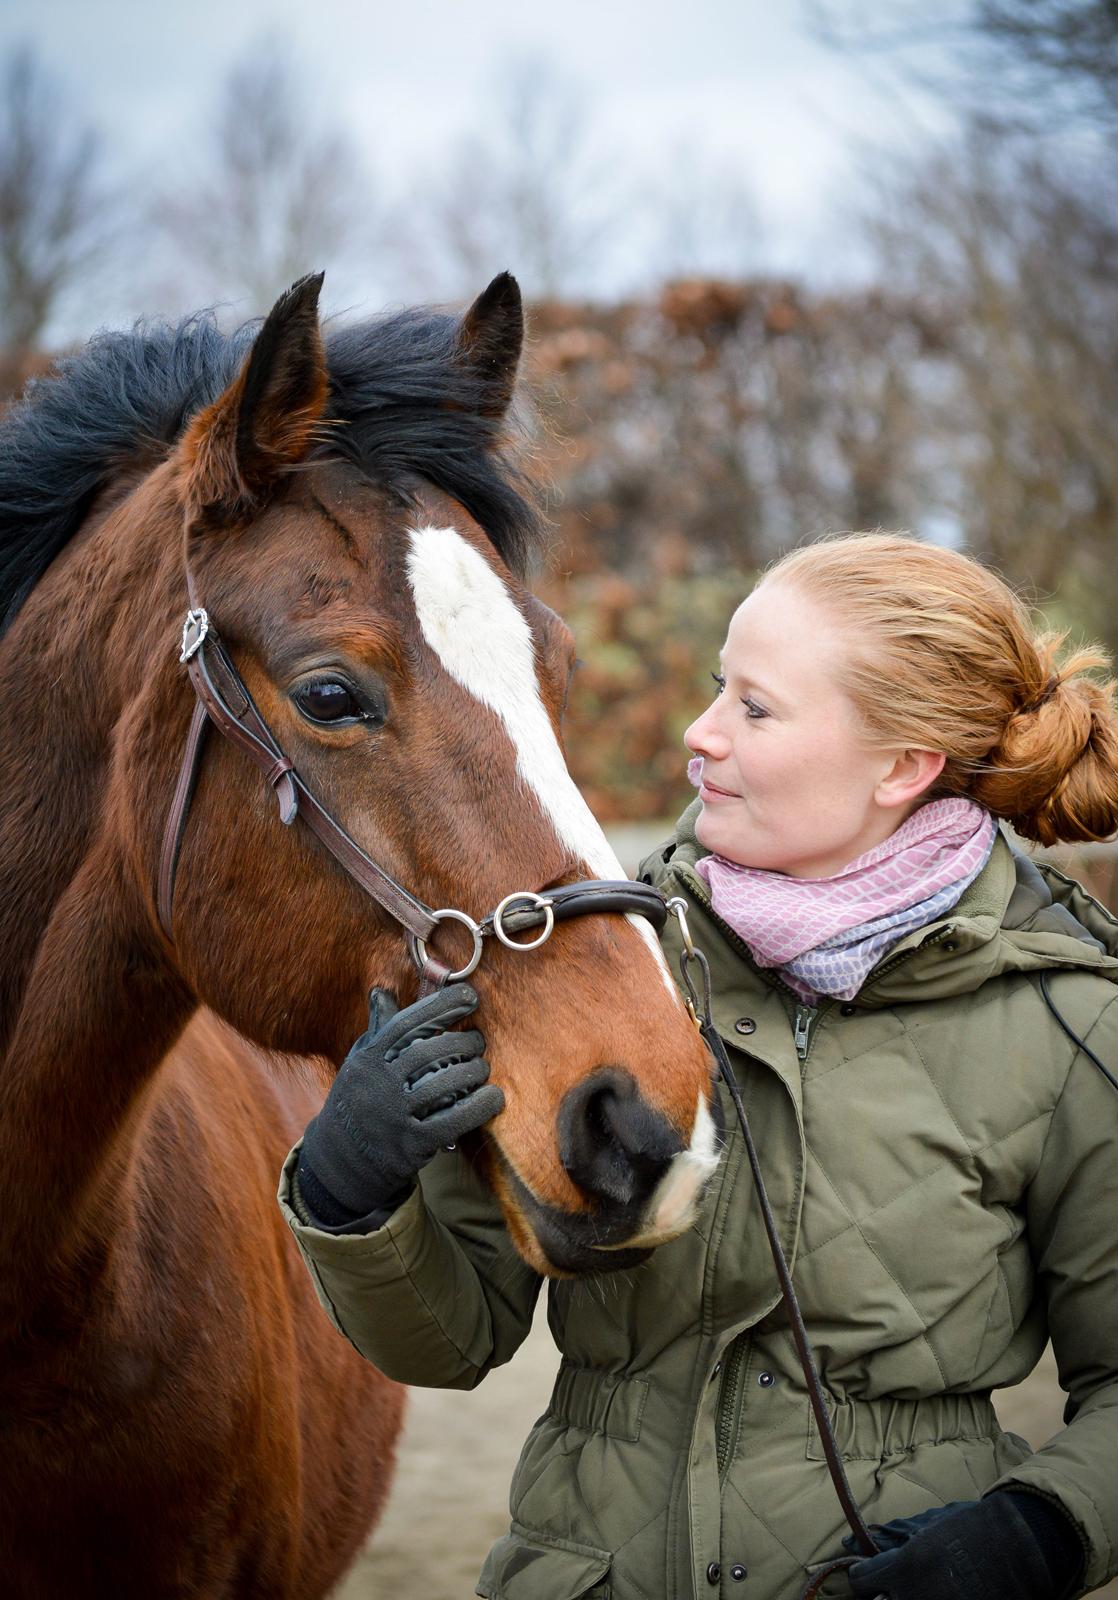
<point>942,655</point>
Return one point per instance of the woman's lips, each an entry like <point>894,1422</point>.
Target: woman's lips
<point>711,791</point>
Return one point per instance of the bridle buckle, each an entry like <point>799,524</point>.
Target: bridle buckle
<point>194,631</point>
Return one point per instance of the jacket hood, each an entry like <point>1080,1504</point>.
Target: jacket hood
<point>1018,915</point>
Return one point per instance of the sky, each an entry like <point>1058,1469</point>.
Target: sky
<point>738,86</point>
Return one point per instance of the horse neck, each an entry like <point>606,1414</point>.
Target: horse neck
<point>68,666</point>
<point>88,1003</point>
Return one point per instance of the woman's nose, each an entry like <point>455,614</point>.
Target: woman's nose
<point>703,737</point>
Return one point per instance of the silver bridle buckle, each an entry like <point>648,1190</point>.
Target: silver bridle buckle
<point>419,946</point>
<point>533,899</point>
<point>678,909</point>
<point>194,631</point>
<point>692,999</point>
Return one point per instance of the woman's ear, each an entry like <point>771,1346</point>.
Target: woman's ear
<point>911,774</point>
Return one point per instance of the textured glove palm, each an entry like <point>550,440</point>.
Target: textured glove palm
<point>407,1088</point>
<point>1006,1547</point>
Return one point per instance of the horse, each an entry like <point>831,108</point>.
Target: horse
<point>178,1417</point>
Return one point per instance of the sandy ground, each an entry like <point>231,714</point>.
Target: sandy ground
<point>450,1497</point>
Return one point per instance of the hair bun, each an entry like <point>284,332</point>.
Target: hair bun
<point>1042,699</point>
<point>1054,773</point>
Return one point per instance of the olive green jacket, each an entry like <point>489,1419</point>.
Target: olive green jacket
<point>943,1162</point>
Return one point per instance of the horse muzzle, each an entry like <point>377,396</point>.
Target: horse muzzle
<point>643,1182</point>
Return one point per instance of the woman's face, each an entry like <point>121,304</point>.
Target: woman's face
<point>788,781</point>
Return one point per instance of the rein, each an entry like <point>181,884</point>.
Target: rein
<point>699,1005</point>
<point>223,700</point>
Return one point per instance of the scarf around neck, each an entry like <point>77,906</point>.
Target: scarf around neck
<point>824,935</point>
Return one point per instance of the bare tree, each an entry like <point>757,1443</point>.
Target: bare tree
<point>56,210</point>
<point>530,189</point>
<point>281,195</point>
<point>1019,254</point>
<point>1014,241</point>
<point>1026,62</point>
<point>1057,39</point>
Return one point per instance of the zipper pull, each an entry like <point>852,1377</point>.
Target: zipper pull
<point>805,1016</point>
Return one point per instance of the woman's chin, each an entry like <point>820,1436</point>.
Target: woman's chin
<point>720,840</point>
<point>709,834</point>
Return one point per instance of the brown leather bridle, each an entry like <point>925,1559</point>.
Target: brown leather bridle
<point>223,700</point>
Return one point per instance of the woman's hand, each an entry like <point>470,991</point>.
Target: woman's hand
<point>1010,1546</point>
<point>407,1088</point>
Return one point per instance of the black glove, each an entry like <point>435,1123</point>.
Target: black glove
<point>1006,1547</point>
<point>406,1088</point>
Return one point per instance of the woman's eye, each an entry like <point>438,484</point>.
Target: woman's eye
<point>327,700</point>
<point>752,709</point>
<point>719,680</point>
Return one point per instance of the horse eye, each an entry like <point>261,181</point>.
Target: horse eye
<point>327,700</point>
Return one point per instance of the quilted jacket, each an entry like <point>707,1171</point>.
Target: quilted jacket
<point>943,1162</point>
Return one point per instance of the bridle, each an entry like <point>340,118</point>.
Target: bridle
<point>222,699</point>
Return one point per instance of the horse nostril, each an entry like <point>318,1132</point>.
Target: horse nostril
<point>611,1141</point>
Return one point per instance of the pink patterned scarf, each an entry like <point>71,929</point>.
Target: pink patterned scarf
<point>826,934</point>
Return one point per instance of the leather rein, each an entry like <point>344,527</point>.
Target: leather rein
<point>223,700</point>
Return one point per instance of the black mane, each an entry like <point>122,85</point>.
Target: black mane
<point>409,409</point>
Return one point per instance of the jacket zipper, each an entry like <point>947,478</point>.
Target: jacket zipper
<point>805,1020</point>
<point>805,1017</point>
<point>808,1016</point>
<point>727,1402</point>
<point>804,1023</point>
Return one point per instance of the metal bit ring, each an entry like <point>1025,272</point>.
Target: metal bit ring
<point>419,946</point>
<point>538,900</point>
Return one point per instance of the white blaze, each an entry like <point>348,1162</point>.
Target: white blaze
<point>473,625</point>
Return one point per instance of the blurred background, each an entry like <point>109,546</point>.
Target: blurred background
<point>822,264</point>
<point>815,265</point>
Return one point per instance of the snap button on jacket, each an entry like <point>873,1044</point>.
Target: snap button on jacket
<point>943,1163</point>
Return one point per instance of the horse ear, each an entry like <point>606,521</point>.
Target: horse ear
<point>265,422</point>
<point>490,339</point>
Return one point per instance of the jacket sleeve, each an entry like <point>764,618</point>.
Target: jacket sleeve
<point>1072,1215</point>
<point>435,1297</point>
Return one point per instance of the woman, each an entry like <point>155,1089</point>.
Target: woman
<point>940,1153</point>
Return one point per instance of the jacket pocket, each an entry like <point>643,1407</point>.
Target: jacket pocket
<point>521,1566</point>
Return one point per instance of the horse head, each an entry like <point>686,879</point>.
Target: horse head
<point>357,541</point>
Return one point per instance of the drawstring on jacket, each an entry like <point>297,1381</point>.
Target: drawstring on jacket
<point>1073,1036</point>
